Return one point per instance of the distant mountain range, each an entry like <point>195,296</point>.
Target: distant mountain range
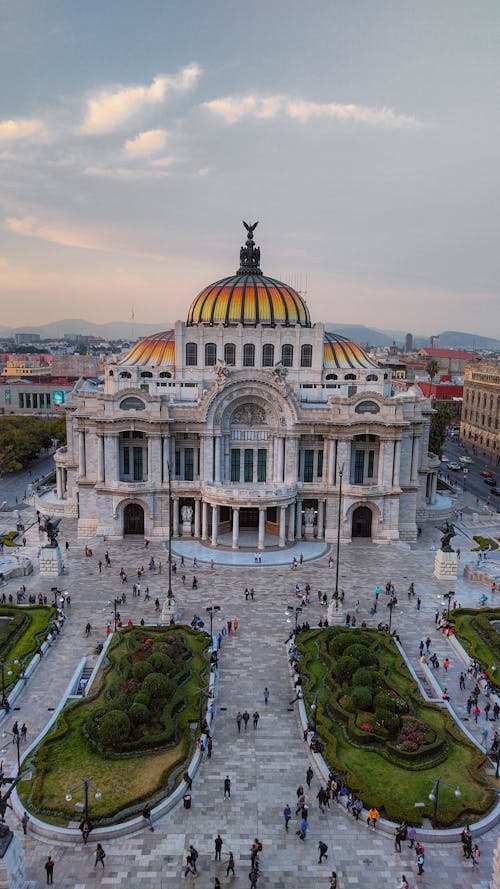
<point>126,330</point>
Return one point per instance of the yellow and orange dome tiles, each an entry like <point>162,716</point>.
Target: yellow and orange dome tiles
<point>339,352</point>
<point>249,299</point>
<point>157,349</point>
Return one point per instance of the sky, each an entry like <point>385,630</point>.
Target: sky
<point>136,137</point>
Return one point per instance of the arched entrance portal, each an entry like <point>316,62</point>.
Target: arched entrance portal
<point>133,519</point>
<point>362,522</point>
<point>249,517</point>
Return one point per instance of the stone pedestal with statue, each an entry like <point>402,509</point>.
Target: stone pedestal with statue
<point>446,561</point>
<point>12,860</point>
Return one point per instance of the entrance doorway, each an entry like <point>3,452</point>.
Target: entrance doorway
<point>362,522</point>
<point>249,518</point>
<point>133,519</point>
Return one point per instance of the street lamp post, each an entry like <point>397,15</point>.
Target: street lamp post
<point>434,796</point>
<point>341,474</point>
<point>298,610</point>
<point>210,610</point>
<point>87,785</point>
<point>169,471</point>
<point>449,596</point>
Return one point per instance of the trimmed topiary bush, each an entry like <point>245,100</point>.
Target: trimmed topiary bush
<point>142,697</point>
<point>386,719</point>
<point>161,663</point>
<point>362,654</point>
<point>362,676</point>
<point>362,697</point>
<point>138,714</point>
<point>344,668</point>
<point>157,685</point>
<point>114,727</point>
<point>142,669</point>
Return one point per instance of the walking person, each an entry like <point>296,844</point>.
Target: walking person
<point>49,869</point>
<point>230,864</point>
<point>256,717</point>
<point>146,814</point>
<point>476,854</point>
<point>218,843</point>
<point>323,850</point>
<point>238,721</point>
<point>309,776</point>
<point>100,855</point>
<point>227,787</point>
<point>246,717</point>
<point>266,695</point>
<point>287,814</point>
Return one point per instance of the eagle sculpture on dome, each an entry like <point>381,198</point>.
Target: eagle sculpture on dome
<point>250,254</point>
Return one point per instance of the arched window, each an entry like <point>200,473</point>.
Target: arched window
<point>230,354</point>
<point>306,355</point>
<point>367,407</point>
<point>165,375</point>
<point>132,404</point>
<point>267,355</point>
<point>191,354</point>
<point>249,355</point>
<point>125,375</point>
<point>332,377</point>
<point>210,354</point>
<point>350,377</point>
<point>372,378</point>
<point>111,374</point>
<point>287,355</point>
<point>146,373</point>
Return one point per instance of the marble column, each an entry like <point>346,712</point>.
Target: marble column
<point>149,458</point>
<point>236,527</point>
<point>183,464</point>
<point>282,541</point>
<point>175,522</point>
<point>59,482</point>
<point>321,519</point>
<point>197,518</point>
<point>100,457</point>
<point>215,525</point>
<point>281,454</point>
<point>298,520</point>
<point>166,457</point>
<point>291,522</point>
<point>204,520</point>
<point>395,464</point>
<point>415,459</point>
<point>262,528</point>
<point>82,467</point>
<point>218,449</point>
<point>116,448</point>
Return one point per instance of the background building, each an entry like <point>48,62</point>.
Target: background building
<point>251,415</point>
<point>481,406</point>
<point>409,342</point>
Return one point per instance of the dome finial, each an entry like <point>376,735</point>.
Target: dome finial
<point>250,254</point>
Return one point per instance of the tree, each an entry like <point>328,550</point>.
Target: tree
<point>22,438</point>
<point>439,421</point>
<point>432,369</point>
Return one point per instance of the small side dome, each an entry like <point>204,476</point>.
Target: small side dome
<point>339,352</point>
<point>157,349</point>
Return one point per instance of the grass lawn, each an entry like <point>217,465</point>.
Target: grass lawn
<point>140,766</point>
<point>22,630</point>
<point>475,631</point>
<point>379,764</point>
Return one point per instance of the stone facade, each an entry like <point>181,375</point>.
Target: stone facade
<point>251,425</point>
<point>481,406</point>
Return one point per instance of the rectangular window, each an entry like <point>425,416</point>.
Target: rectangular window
<point>138,464</point>
<point>126,461</point>
<point>28,399</point>
<point>189,464</point>
<point>351,390</point>
<point>320,464</point>
<point>248,466</point>
<point>20,395</point>
<point>359,464</point>
<point>371,463</point>
<point>48,399</point>
<point>42,399</point>
<point>235,464</point>
<point>308,465</point>
<point>35,399</point>
<point>261,464</point>
<point>177,464</point>
<point>7,396</point>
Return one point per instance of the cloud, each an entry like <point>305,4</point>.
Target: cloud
<point>109,110</point>
<point>233,108</point>
<point>11,130</point>
<point>147,143</point>
<point>31,227</point>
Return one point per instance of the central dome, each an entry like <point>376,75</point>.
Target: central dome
<point>249,297</point>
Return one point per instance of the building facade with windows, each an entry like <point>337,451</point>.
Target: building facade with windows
<point>481,406</point>
<point>253,419</point>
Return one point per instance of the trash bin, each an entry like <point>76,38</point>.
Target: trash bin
<point>187,800</point>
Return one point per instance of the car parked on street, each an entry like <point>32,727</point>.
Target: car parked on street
<point>486,473</point>
<point>490,481</point>
<point>454,466</point>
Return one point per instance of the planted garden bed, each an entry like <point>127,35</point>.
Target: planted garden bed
<point>22,630</point>
<point>380,735</point>
<point>133,736</point>
<point>475,630</point>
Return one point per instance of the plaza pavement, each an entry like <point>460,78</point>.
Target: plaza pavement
<point>266,765</point>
